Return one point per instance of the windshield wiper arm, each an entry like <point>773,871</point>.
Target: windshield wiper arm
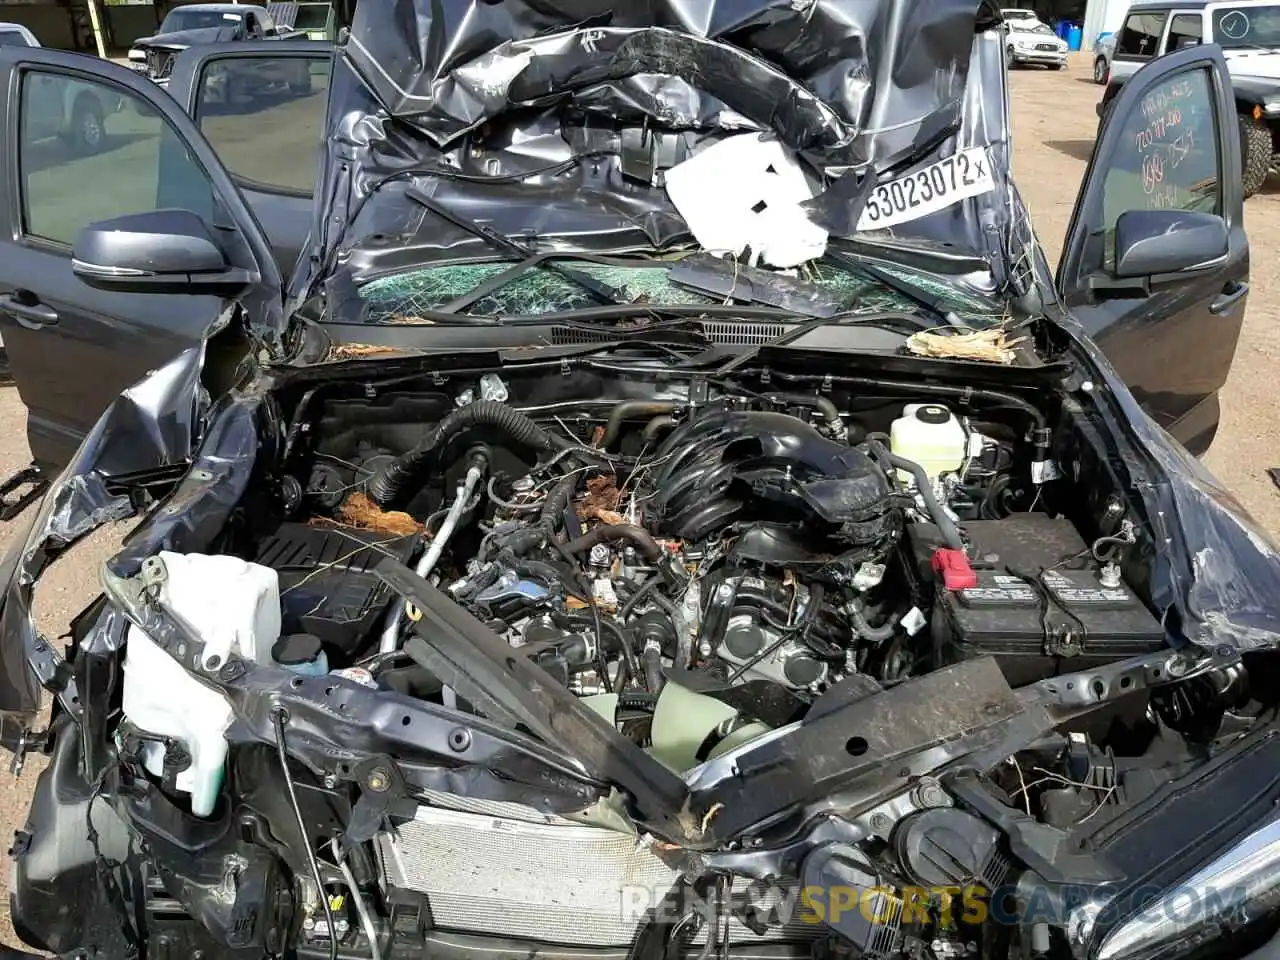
<point>729,279</point>
<point>925,299</point>
<point>511,247</point>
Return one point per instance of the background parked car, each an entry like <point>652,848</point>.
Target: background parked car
<point>1032,42</point>
<point>74,112</point>
<point>1103,51</point>
<point>1011,14</point>
<point>201,23</point>
<point>1248,32</point>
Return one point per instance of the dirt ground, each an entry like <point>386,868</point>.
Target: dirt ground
<point>1054,122</point>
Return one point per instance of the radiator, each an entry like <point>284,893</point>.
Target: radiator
<point>506,870</point>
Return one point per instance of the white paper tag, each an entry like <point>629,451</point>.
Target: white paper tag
<point>928,190</point>
<point>913,621</point>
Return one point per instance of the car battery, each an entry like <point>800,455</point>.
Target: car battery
<point>1039,604</point>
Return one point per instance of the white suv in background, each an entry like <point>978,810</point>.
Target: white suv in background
<point>1011,14</point>
<point>1031,42</point>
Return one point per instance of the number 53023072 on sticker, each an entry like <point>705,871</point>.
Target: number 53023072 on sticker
<point>927,190</point>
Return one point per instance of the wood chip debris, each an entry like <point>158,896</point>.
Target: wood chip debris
<point>606,516</point>
<point>601,501</point>
<point>350,351</point>
<point>990,346</point>
<point>362,513</point>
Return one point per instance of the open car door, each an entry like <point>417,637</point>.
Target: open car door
<point>86,310</point>
<point>261,105</point>
<point>1156,262</point>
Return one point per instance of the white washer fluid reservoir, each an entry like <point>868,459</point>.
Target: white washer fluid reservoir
<point>234,607</point>
<point>230,604</point>
<point>929,434</point>
<point>161,698</point>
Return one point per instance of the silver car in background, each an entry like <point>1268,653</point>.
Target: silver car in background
<point>1103,50</point>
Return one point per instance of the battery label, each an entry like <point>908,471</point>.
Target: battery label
<point>1073,588</point>
<point>999,589</point>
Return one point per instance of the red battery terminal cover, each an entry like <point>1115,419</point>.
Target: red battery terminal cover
<point>954,569</point>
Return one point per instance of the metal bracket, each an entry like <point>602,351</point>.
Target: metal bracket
<point>13,502</point>
<point>699,392</point>
<point>1071,694</point>
<point>21,740</point>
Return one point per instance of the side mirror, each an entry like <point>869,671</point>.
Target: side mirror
<point>162,251</point>
<point>1154,242</point>
<point>1186,42</point>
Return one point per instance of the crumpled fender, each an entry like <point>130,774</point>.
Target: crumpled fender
<point>152,427</point>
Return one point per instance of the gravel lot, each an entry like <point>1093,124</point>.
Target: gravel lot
<point>1054,122</point>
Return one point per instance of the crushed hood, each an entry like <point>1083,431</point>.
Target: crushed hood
<point>844,82</point>
<point>557,119</point>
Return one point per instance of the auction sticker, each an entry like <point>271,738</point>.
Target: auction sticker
<point>960,176</point>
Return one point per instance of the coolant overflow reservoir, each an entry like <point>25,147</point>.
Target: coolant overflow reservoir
<point>929,434</point>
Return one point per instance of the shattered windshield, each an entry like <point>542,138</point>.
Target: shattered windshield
<point>403,298</point>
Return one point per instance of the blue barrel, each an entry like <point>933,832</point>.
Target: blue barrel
<point>1061,29</point>
<point>1075,36</point>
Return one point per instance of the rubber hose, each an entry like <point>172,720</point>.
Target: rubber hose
<point>646,588</point>
<point>387,485</point>
<point>946,526</point>
<point>629,660</point>
<point>824,405</point>
<point>557,501</point>
<point>538,570</point>
<point>638,536</point>
<point>522,541</point>
<point>628,410</point>
<point>652,662</point>
<point>656,426</point>
<point>866,631</point>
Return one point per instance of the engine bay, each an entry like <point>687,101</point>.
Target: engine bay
<point>773,543</point>
<point>516,646</point>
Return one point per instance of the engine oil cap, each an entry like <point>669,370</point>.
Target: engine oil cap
<point>933,414</point>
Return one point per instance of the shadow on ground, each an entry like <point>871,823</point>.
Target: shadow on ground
<point>1076,149</point>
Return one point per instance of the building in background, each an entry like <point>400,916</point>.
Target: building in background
<point>1102,17</point>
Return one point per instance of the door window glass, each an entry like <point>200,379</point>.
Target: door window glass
<point>1185,30</point>
<point>90,151</point>
<point>264,115</point>
<point>1166,155</point>
<point>1140,35</point>
<point>1249,26</point>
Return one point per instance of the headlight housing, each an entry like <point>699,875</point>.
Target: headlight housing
<point>1241,884</point>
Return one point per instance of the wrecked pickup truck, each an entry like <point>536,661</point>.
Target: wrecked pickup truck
<point>201,23</point>
<point>591,551</point>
